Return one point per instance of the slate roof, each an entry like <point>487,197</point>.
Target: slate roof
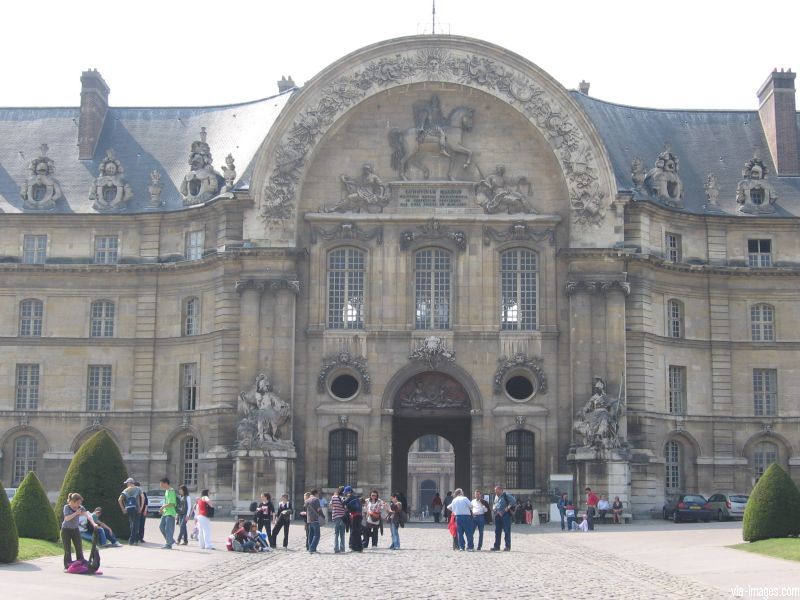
<point>143,139</point>
<point>705,141</point>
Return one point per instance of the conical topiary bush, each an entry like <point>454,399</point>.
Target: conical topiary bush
<point>32,511</point>
<point>96,473</point>
<point>9,539</point>
<point>773,510</point>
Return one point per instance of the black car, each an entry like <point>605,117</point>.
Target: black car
<point>687,507</point>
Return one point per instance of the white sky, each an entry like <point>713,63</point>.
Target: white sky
<point>671,54</point>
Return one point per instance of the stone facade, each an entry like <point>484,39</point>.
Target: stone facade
<point>433,237</point>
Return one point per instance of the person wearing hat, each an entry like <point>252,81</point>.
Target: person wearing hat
<point>352,505</point>
<point>130,503</point>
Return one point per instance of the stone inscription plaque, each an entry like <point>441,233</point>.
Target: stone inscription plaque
<point>460,195</point>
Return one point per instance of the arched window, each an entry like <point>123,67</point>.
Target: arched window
<point>190,455</point>
<point>518,277</point>
<point>432,277</point>
<point>764,455</point>
<point>427,489</point>
<point>672,455</point>
<point>519,459</point>
<point>675,318</point>
<point>343,458</point>
<point>102,319</point>
<point>24,458</point>
<point>762,323</point>
<point>30,317</point>
<point>191,316</point>
<point>346,289</point>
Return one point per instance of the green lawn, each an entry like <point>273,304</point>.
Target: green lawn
<point>788,548</point>
<point>30,549</point>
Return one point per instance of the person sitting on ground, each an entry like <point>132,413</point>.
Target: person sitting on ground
<point>603,506</point>
<point>104,533</point>
<point>616,509</point>
<point>259,539</point>
<point>237,525</point>
<point>241,538</point>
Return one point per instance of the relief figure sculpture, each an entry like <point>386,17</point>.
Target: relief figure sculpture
<point>598,421</point>
<point>502,193</point>
<point>367,193</point>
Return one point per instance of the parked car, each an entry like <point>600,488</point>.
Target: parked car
<point>687,507</point>
<point>726,506</point>
<point>10,492</point>
<point>155,500</point>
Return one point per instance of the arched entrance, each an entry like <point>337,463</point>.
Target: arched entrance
<point>431,403</point>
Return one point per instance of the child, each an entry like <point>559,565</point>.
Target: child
<point>451,526</point>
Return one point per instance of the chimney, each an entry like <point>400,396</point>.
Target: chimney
<point>94,106</point>
<point>583,87</point>
<point>286,84</point>
<point>778,112</point>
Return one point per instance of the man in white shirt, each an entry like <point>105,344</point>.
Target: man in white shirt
<point>461,507</point>
<point>603,506</point>
<point>480,512</point>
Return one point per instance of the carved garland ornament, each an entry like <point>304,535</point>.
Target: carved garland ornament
<point>573,152</point>
<point>347,231</point>
<point>344,359</point>
<point>521,361</point>
<point>518,231</point>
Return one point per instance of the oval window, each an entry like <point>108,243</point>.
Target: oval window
<point>519,388</point>
<point>344,386</point>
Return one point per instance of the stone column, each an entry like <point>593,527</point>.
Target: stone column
<point>250,291</point>
<point>580,339</point>
<point>615,293</point>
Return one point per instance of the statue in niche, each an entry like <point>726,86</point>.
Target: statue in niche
<point>432,131</point>
<point>41,189</point>
<point>662,182</point>
<point>202,183</point>
<point>110,191</point>
<point>367,192</point>
<point>754,194</point>
<point>262,413</point>
<point>502,193</point>
<point>598,422</point>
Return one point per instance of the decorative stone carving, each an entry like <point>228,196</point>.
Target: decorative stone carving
<point>432,391</point>
<point>41,189</point>
<point>638,173</point>
<point>432,130</point>
<point>593,287</point>
<point>290,285</point>
<point>110,191</point>
<point>598,421</point>
<point>571,147</point>
<point>343,419</point>
<point>229,173</point>
<point>274,285</point>
<point>262,413</point>
<point>712,194</point>
<point>366,193</point>
<point>432,350</point>
<point>202,183</point>
<point>155,188</point>
<point>433,230</point>
<point>662,182</point>
<point>521,362</point>
<point>754,194</point>
<point>347,231</point>
<point>250,284</point>
<point>609,286</point>
<point>500,193</point>
<point>518,231</point>
<point>344,359</point>
<point>520,421</point>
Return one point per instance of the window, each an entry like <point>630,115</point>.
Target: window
<point>762,317</point>
<point>672,247</point>
<point>759,253</point>
<point>102,319</point>
<point>191,316</point>
<point>106,249</point>
<point>764,455</point>
<point>432,277</point>
<point>518,289</point>
<point>189,386</point>
<point>675,318</point>
<point>519,459</point>
<point>677,390</point>
<point>27,393</point>
<point>672,454</point>
<point>765,392</point>
<point>24,458</point>
<point>190,454</point>
<point>429,443</point>
<point>346,289</point>
<point>34,249</point>
<point>195,241</point>
<point>30,317</point>
<point>98,392</point>
<point>343,458</point>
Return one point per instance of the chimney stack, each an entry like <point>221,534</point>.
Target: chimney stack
<point>583,87</point>
<point>778,112</point>
<point>284,85</point>
<point>94,106</point>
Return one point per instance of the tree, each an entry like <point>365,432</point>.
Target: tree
<point>32,511</point>
<point>773,510</point>
<point>9,538</point>
<point>96,473</point>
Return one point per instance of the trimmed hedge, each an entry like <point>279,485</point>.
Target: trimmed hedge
<point>96,473</point>
<point>9,538</point>
<point>32,511</point>
<point>773,510</point>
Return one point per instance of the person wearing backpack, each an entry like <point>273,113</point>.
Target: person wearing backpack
<point>130,502</point>
<point>501,509</point>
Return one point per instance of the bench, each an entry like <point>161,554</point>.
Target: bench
<point>625,517</point>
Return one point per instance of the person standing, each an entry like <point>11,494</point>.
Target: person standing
<point>130,503</point>
<point>314,517</point>
<point>70,533</point>
<point>501,509</point>
<point>395,518</point>
<point>337,517</point>
<point>184,509</point>
<point>448,498</point>
<point>591,507</point>
<point>373,522</point>
<point>480,511</point>
<point>353,506</point>
<point>143,513</point>
<point>203,512</point>
<point>562,509</point>
<point>436,507</point>
<point>265,511</point>
<point>282,520</point>
<point>168,513</point>
<point>461,507</point>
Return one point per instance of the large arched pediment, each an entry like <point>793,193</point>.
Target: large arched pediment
<point>282,165</point>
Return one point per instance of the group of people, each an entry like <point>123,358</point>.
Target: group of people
<point>465,515</point>
<point>596,506</point>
